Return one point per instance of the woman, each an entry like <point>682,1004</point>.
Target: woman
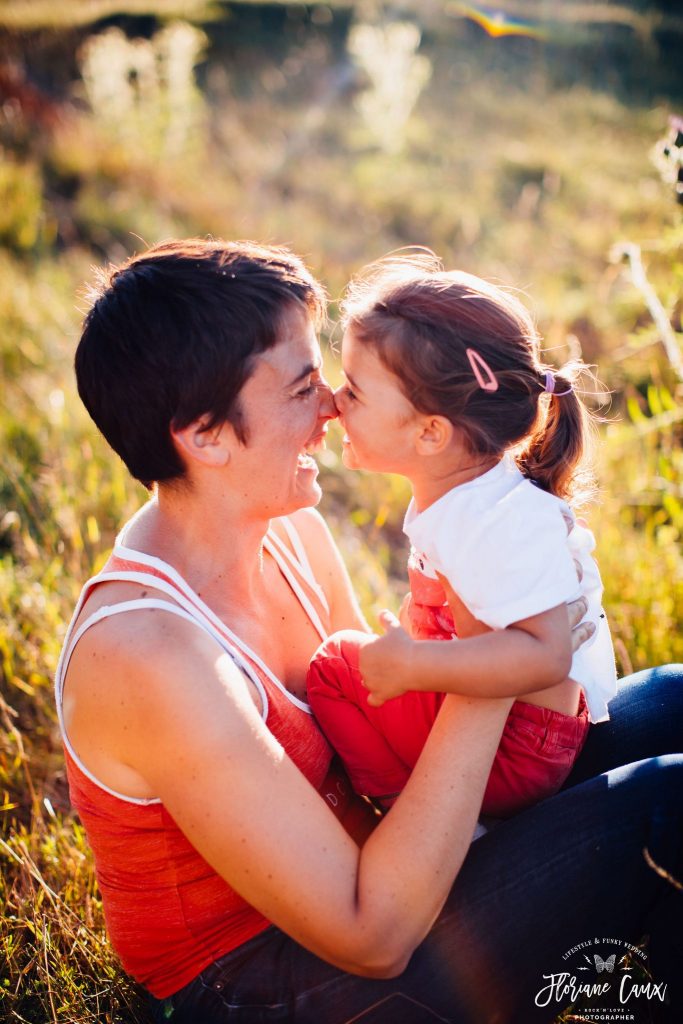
<point>242,880</point>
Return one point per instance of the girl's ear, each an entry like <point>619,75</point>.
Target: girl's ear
<point>434,435</point>
<point>197,442</point>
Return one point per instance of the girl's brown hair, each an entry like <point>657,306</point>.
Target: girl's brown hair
<point>421,320</point>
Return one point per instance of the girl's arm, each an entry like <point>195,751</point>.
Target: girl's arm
<point>529,655</point>
<point>252,815</point>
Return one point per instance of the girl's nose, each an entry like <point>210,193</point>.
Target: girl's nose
<point>327,407</point>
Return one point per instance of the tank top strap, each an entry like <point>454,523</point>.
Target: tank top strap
<point>293,564</point>
<point>294,572</point>
<point>127,565</point>
<point>301,562</point>
<point>180,609</point>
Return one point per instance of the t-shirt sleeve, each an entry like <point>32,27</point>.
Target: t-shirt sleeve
<point>510,561</point>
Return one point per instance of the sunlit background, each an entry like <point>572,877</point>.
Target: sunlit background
<point>533,143</point>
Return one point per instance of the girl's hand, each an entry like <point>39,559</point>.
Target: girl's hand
<point>385,662</point>
<point>404,613</point>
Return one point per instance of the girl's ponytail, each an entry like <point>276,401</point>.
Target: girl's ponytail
<point>557,455</point>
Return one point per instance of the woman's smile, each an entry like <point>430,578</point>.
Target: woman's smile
<point>317,443</point>
<point>306,462</point>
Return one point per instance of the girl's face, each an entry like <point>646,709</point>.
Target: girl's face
<point>379,422</point>
<point>287,404</point>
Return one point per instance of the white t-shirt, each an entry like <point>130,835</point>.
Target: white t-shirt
<point>502,544</point>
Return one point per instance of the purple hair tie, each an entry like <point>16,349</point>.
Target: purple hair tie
<point>550,385</point>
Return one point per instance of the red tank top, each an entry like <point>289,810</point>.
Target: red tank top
<point>168,913</point>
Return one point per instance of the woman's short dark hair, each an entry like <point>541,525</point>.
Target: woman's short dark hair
<point>172,335</point>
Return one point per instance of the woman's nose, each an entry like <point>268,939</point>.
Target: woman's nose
<point>338,398</point>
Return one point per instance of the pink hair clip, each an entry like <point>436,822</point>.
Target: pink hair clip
<point>478,363</point>
<point>550,385</point>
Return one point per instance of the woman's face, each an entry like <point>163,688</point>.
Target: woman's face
<point>286,404</point>
<point>378,420</point>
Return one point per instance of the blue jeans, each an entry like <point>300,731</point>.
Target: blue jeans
<point>559,887</point>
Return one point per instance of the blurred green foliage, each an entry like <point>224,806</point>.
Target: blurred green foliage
<point>496,168</point>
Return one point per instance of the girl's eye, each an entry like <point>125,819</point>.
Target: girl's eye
<point>348,393</point>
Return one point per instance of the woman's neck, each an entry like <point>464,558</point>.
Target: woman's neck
<point>206,540</point>
<point>434,478</point>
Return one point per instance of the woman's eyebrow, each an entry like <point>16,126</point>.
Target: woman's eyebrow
<point>306,372</point>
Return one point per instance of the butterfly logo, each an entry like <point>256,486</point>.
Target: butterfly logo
<point>605,965</point>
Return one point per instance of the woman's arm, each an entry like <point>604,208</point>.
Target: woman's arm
<point>527,656</point>
<point>248,810</point>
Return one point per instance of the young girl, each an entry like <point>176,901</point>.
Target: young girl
<point>445,386</point>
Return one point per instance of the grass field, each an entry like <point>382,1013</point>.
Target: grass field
<point>503,163</point>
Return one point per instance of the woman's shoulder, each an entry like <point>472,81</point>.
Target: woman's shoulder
<point>307,534</point>
<point>151,638</point>
<point>309,523</point>
<point>131,672</point>
<point>100,601</point>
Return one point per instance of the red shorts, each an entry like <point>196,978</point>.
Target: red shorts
<point>380,746</point>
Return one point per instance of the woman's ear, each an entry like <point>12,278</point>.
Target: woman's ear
<point>197,442</point>
<point>434,435</point>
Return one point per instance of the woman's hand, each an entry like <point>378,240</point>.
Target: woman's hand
<point>581,631</point>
